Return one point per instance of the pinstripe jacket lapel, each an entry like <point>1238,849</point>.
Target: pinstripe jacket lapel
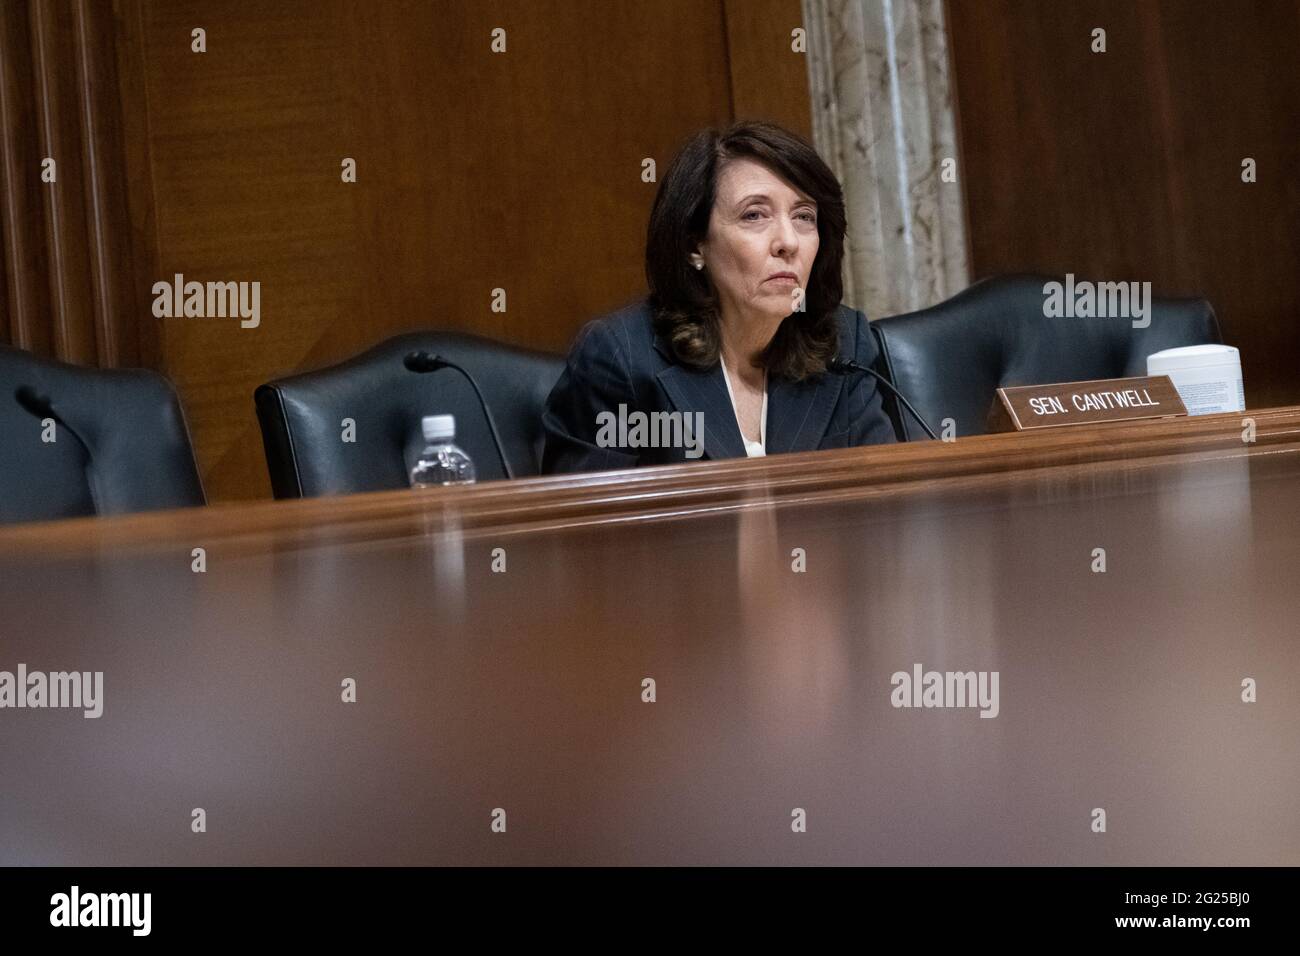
<point>797,413</point>
<point>706,392</point>
<point>695,391</point>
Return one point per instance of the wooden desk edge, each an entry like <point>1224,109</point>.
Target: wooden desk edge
<point>558,500</point>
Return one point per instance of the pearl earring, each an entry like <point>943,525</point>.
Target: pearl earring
<point>699,264</point>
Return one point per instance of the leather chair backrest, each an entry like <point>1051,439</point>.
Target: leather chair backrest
<point>948,359</point>
<point>302,417</point>
<point>126,446</point>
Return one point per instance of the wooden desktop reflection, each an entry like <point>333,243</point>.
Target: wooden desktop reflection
<point>523,689</point>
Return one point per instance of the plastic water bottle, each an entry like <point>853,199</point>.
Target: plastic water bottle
<point>441,462</point>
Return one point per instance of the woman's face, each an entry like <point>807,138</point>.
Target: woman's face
<point>761,242</point>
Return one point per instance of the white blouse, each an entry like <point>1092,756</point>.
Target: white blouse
<point>754,449</point>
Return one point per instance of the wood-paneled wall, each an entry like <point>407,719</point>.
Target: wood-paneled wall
<point>521,170</point>
<point>70,249</point>
<point>1127,164</point>
<point>475,171</point>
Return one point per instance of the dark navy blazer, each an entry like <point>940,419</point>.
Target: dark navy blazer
<point>619,359</point>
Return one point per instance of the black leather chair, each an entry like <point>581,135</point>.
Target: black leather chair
<point>948,359</point>
<point>120,441</point>
<point>302,416</point>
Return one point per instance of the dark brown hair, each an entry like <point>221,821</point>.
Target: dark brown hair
<point>685,307</point>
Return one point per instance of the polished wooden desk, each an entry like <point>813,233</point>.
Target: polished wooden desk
<point>522,690</point>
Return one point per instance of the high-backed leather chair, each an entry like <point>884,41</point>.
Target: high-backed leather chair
<point>303,426</point>
<point>948,359</point>
<point>120,443</point>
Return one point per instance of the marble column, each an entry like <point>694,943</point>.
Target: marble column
<point>883,118</point>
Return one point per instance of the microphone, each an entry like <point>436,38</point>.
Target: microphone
<point>848,366</point>
<point>422,362</point>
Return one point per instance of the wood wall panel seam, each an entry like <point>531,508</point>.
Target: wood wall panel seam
<point>141,241</point>
<point>727,53</point>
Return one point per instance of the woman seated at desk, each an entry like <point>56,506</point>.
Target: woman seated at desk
<point>729,354</point>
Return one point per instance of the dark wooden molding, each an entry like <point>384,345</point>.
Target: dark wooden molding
<point>65,226</point>
<point>26,297</point>
<point>140,233</point>
<point>71,289</point>
<point>108,237</point>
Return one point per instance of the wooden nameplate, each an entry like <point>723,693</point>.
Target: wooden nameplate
<point>1027,407</point>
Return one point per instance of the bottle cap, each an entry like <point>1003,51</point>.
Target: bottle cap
<point>438,427</point>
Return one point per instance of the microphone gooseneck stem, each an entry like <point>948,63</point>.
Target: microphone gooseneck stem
<point>853,366</point>
<point>487,413</point>
<point>424,362</point>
